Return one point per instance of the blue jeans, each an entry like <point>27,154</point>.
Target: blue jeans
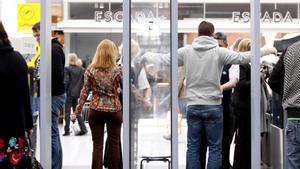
<point>56,107</point>
<point>210,119</point>
<point>293,144</point>
<point>35,105</point>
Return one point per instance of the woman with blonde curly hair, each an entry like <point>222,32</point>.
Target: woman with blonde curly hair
<point>103,78</point>
<point>241,107</point>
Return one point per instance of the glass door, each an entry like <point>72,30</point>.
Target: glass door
<point>150,111</point>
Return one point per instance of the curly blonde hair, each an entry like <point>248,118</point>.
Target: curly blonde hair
<point>244,45</point>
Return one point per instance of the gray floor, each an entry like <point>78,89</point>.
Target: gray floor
<point>77,150</point>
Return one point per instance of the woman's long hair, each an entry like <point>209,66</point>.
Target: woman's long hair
<point>3,35</point>
<point>105,55</point>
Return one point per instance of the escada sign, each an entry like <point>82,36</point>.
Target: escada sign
<point>138,16</point>
<point>274,17</point>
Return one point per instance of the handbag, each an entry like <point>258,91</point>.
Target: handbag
<point>75,127</point>
<point>35,164</point>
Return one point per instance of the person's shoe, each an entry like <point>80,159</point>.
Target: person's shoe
<point>81,133</point>
<point>66,134</point>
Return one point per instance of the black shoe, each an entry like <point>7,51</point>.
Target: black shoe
<point>81,133</point>
<point>66,134</point>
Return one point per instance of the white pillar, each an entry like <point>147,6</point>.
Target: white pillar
<point>255,85</point>
<point>174,83</point>
<point>0,9</point>
<point>67,47</point>
<point>126,81</point>
<point>45,85</point>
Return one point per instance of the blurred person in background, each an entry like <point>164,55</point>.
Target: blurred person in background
<point>104,78</point>
<point>16,116</point>
<point>74,78</point>
<point>141,94</point>
<point>79,62</point>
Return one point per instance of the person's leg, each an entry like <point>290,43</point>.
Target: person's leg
<point>82,126</point>
<point>67,115</point>
<point>96,122</point>
<point>213,123</point>
<point>114,123</point>
<point>292,137</point>
<point>193,136</point>
<point>56,106</point>
<point>228,131</point>
<point>242,154</point>
<point>203,150</point>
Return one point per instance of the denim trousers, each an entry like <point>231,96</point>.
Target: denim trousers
<point>293,144</point>
<point>56,107</point>
<point>208,118</point>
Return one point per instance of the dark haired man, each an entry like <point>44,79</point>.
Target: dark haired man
<point>57,94</point>
<point>34,81</point>
<point>203,62</point>
<point>229,79</point>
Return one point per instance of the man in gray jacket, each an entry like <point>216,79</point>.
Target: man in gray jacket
<point>203,62</point>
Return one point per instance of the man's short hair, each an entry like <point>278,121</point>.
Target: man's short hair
<point>221,36</point>
<point>206,29</point>
<point>36,27</point>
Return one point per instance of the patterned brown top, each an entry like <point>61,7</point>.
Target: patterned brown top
<point>105,86</point>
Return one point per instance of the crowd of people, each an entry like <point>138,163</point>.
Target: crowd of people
<point>217,99</point>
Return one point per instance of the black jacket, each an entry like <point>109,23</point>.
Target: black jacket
<point>57,67</point>
<point>15,111</point>
<point>241,98</point>
<point>74,78</point>
<point>277,76</point>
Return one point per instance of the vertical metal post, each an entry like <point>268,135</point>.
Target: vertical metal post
<point>65,5</point>
<point>126,83</point>
<point>174,82</point>
<point>299,12</point>
<point>255,85</point>
<point>204,9</point>
<point>67,46</point>
<point>1,9</point>
<point>45,85</point>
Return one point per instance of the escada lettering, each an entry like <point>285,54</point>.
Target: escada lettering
<point>274,17</point>
<point>109,16</point>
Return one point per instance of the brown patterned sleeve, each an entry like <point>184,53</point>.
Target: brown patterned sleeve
<point>84,91</point>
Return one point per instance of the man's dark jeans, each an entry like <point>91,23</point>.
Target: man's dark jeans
<point>208,118</point>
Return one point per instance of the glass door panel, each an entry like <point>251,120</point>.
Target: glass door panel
<point>150,121</point>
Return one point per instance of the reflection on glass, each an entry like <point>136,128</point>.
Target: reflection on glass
<point>150,91</point>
